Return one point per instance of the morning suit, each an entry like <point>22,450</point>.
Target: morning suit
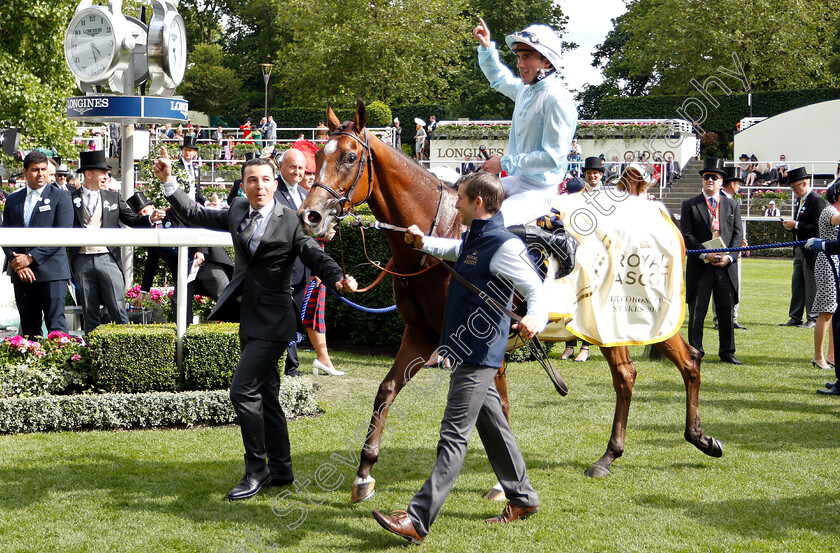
<point>259,299</point>
<point>803,286</point>
<point>300,274</point>
<point>98,270</point>
<point>42,300</point>
<point>702,279</point>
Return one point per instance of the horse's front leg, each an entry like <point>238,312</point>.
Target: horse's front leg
<point>624,378</point>
<point>416,347</point>
<point>687,359</point>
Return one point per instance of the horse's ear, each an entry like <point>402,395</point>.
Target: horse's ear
<point>332,119</point>
<point>361,116</point>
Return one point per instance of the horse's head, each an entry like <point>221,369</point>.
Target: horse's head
<point>343,174</point>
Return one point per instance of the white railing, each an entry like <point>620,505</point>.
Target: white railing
<point>679,125</point>
<point>182,238</point>
<point>748,122</point>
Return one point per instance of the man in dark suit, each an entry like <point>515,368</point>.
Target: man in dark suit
<point>705,217</point>
<point>267,238</point>
<point>97,270</point>
<point>290,194</point>
<point>804,225</point>
<point>40,274</point>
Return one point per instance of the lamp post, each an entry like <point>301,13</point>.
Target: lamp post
<point>266,73</point>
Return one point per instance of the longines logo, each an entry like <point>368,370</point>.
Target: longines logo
<point>181,107</point>
<point>84,105</point>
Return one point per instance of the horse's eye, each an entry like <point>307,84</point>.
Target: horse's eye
<point>351,157</point>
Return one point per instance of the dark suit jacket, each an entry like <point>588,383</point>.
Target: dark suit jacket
<point>53,210</point>
<point>696,227</point>
<point>808,223</point>
<point>300,274</point>
<point>263,282</point>
<point>114,211</point>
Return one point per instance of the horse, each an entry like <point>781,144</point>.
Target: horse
<point>352,169</point>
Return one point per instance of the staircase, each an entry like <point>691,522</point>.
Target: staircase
<point>682,189</point>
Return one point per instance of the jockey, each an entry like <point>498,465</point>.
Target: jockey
<point>544,119</point>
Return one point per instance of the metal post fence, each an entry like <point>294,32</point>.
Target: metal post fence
<point>181,238</point>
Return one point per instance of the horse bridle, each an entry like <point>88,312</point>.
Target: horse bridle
<point>366,160</point>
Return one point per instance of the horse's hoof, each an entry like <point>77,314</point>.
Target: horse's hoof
<point>363,489</point>
<point>716,449</point>
<point>597,471</point>
<point>496,493</point>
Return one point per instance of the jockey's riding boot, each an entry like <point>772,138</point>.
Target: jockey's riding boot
<point>557,244</point>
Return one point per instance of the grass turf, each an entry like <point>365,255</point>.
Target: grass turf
<point>775,489</point>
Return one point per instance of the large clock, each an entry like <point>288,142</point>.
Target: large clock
<point>167,49</point>
<point>90,44</point>
<point>98,44</point>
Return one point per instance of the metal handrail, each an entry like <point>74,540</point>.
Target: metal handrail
<point>182,238</point>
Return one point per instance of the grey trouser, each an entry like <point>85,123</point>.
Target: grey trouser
<point>99,281</point>
<point>473,402</point>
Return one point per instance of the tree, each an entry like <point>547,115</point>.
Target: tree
<point>34,79</point>
<point>394,52</point>
<point>659,46</point>
<point>209,86</point>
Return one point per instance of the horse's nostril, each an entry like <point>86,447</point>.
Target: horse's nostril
<point>313,217</point>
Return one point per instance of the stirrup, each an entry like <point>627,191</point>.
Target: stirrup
<point>556,244</point>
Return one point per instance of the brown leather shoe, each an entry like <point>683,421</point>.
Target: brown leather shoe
<point>512,512</point>
<point>400,524</point>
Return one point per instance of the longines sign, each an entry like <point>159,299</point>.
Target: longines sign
<point>136,109</point>
<point>455,151</point>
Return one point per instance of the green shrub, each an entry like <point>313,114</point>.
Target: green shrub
<point>134,358</point>
<point>110,411</point>
<point>769,232</point>
<point>378,114</point>
<point>211,352</point>
<point>721,118</point>
<point>347,322</point>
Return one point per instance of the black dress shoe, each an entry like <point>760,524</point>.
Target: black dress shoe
<point>736,325</point>
<point>791,323</point>
<point>250,485</point>
<point>278,481</point>
<point>730,359</point>
<point>808,324</point>
<point>832,392</point>
<point>294,373</point>
<point>830,385</point>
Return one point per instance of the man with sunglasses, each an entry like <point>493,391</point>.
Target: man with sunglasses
<point>705,217</point>
<point>805,225</point>
<point>543,124</point>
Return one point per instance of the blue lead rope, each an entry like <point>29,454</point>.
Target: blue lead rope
<point>362,308</point>
<point>748,248</point>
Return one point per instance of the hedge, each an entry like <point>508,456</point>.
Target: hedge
<point>111,411</point>
<point>347,322</point>
<point>125,359</point>
<point>732,108</point>
<point>211,352</point>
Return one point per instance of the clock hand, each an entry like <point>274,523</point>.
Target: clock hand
<point>95,52</point>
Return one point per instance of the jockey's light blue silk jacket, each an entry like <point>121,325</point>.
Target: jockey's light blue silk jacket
<point>543,125</point>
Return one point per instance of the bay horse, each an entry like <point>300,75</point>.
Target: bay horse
<point>353,168</point>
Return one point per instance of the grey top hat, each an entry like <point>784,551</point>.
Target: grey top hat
<point>62,170</point>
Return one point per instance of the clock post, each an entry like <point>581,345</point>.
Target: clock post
<point>106,49</point>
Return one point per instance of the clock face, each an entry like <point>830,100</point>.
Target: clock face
<point>90,45</point>
<point>177,49</point>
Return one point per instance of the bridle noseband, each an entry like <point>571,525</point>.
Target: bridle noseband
<point>365,160</point>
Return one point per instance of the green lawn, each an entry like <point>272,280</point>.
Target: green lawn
<point>775,489</point>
